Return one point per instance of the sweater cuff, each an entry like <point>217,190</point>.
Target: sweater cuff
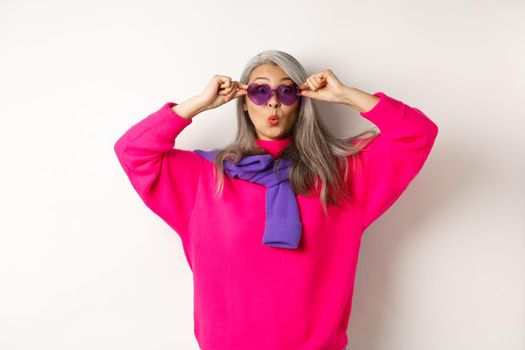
<point>387,111</point>
<point>169,123</point>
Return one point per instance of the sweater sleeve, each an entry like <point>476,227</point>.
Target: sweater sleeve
<point>164,177</point>
<point>388,164</point>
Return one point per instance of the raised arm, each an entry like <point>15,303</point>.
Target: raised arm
<point>165,178</point>
<point>388,164</point>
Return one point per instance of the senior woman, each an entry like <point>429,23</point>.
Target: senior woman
<point>271,224</point>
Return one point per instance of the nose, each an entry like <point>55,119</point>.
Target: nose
<point>273,101</point>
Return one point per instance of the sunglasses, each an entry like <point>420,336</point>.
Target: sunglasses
<point>261,93</point>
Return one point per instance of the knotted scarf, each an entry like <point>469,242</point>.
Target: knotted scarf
<point>283,226</point>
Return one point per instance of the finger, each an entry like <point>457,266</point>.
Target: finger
<point>224,92</point>
<point>225,81</point>
<point>229,89</point>
<point>311,84</point>
<point>329,74</point>
<point>308,93</point>
<point>303,86</point>
<point>314,76</point>
<point>240,92</point>
<point>231,93</point>
<point>242,88</point>
<point>323,75</point>
<point>321,82</point>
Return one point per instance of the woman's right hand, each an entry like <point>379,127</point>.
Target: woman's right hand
<point>221,89</point>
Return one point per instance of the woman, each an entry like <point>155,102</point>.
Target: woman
<point>271,225</point>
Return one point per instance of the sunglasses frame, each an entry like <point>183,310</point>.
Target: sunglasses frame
<point>274,91</point>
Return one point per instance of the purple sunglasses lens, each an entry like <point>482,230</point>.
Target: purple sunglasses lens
<point>260,94</point>
<point>288,94</point>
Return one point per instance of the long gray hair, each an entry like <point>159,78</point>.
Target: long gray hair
<point>319,158</point>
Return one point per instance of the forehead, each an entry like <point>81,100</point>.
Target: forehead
<point>269,73</point>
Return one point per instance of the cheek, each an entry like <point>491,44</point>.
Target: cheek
<point>256,112</point>
<point>293,112</point>
<point>255,115</point>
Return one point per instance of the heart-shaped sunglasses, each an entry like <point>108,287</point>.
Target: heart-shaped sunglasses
<point>261,93</point>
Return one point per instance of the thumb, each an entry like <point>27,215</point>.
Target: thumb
<point>240,92</point>
<point>308,93</point>
<point>305,90</point>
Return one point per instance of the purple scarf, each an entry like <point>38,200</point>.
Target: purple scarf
<point>283,225</point>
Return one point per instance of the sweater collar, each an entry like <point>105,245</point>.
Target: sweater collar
<point>274,147</point>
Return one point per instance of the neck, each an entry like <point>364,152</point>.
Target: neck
<point>276,146</point>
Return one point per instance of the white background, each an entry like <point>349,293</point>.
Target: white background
<point>85,265</point>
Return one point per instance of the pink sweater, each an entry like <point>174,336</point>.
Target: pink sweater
<point>248,295</point>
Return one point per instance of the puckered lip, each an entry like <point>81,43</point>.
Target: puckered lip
<point>273,116</point>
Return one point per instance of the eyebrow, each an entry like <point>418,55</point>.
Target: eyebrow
<point>285,78</point>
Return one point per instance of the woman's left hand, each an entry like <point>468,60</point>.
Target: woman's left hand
<point>323,86</point>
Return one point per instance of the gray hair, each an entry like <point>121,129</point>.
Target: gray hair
<point>319,158</point>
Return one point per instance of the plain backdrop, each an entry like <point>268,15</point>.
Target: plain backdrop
<point>84,264</point>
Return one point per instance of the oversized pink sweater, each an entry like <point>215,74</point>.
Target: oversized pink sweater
<point>248,295</point>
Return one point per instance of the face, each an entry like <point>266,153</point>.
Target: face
<point>286,115</point>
